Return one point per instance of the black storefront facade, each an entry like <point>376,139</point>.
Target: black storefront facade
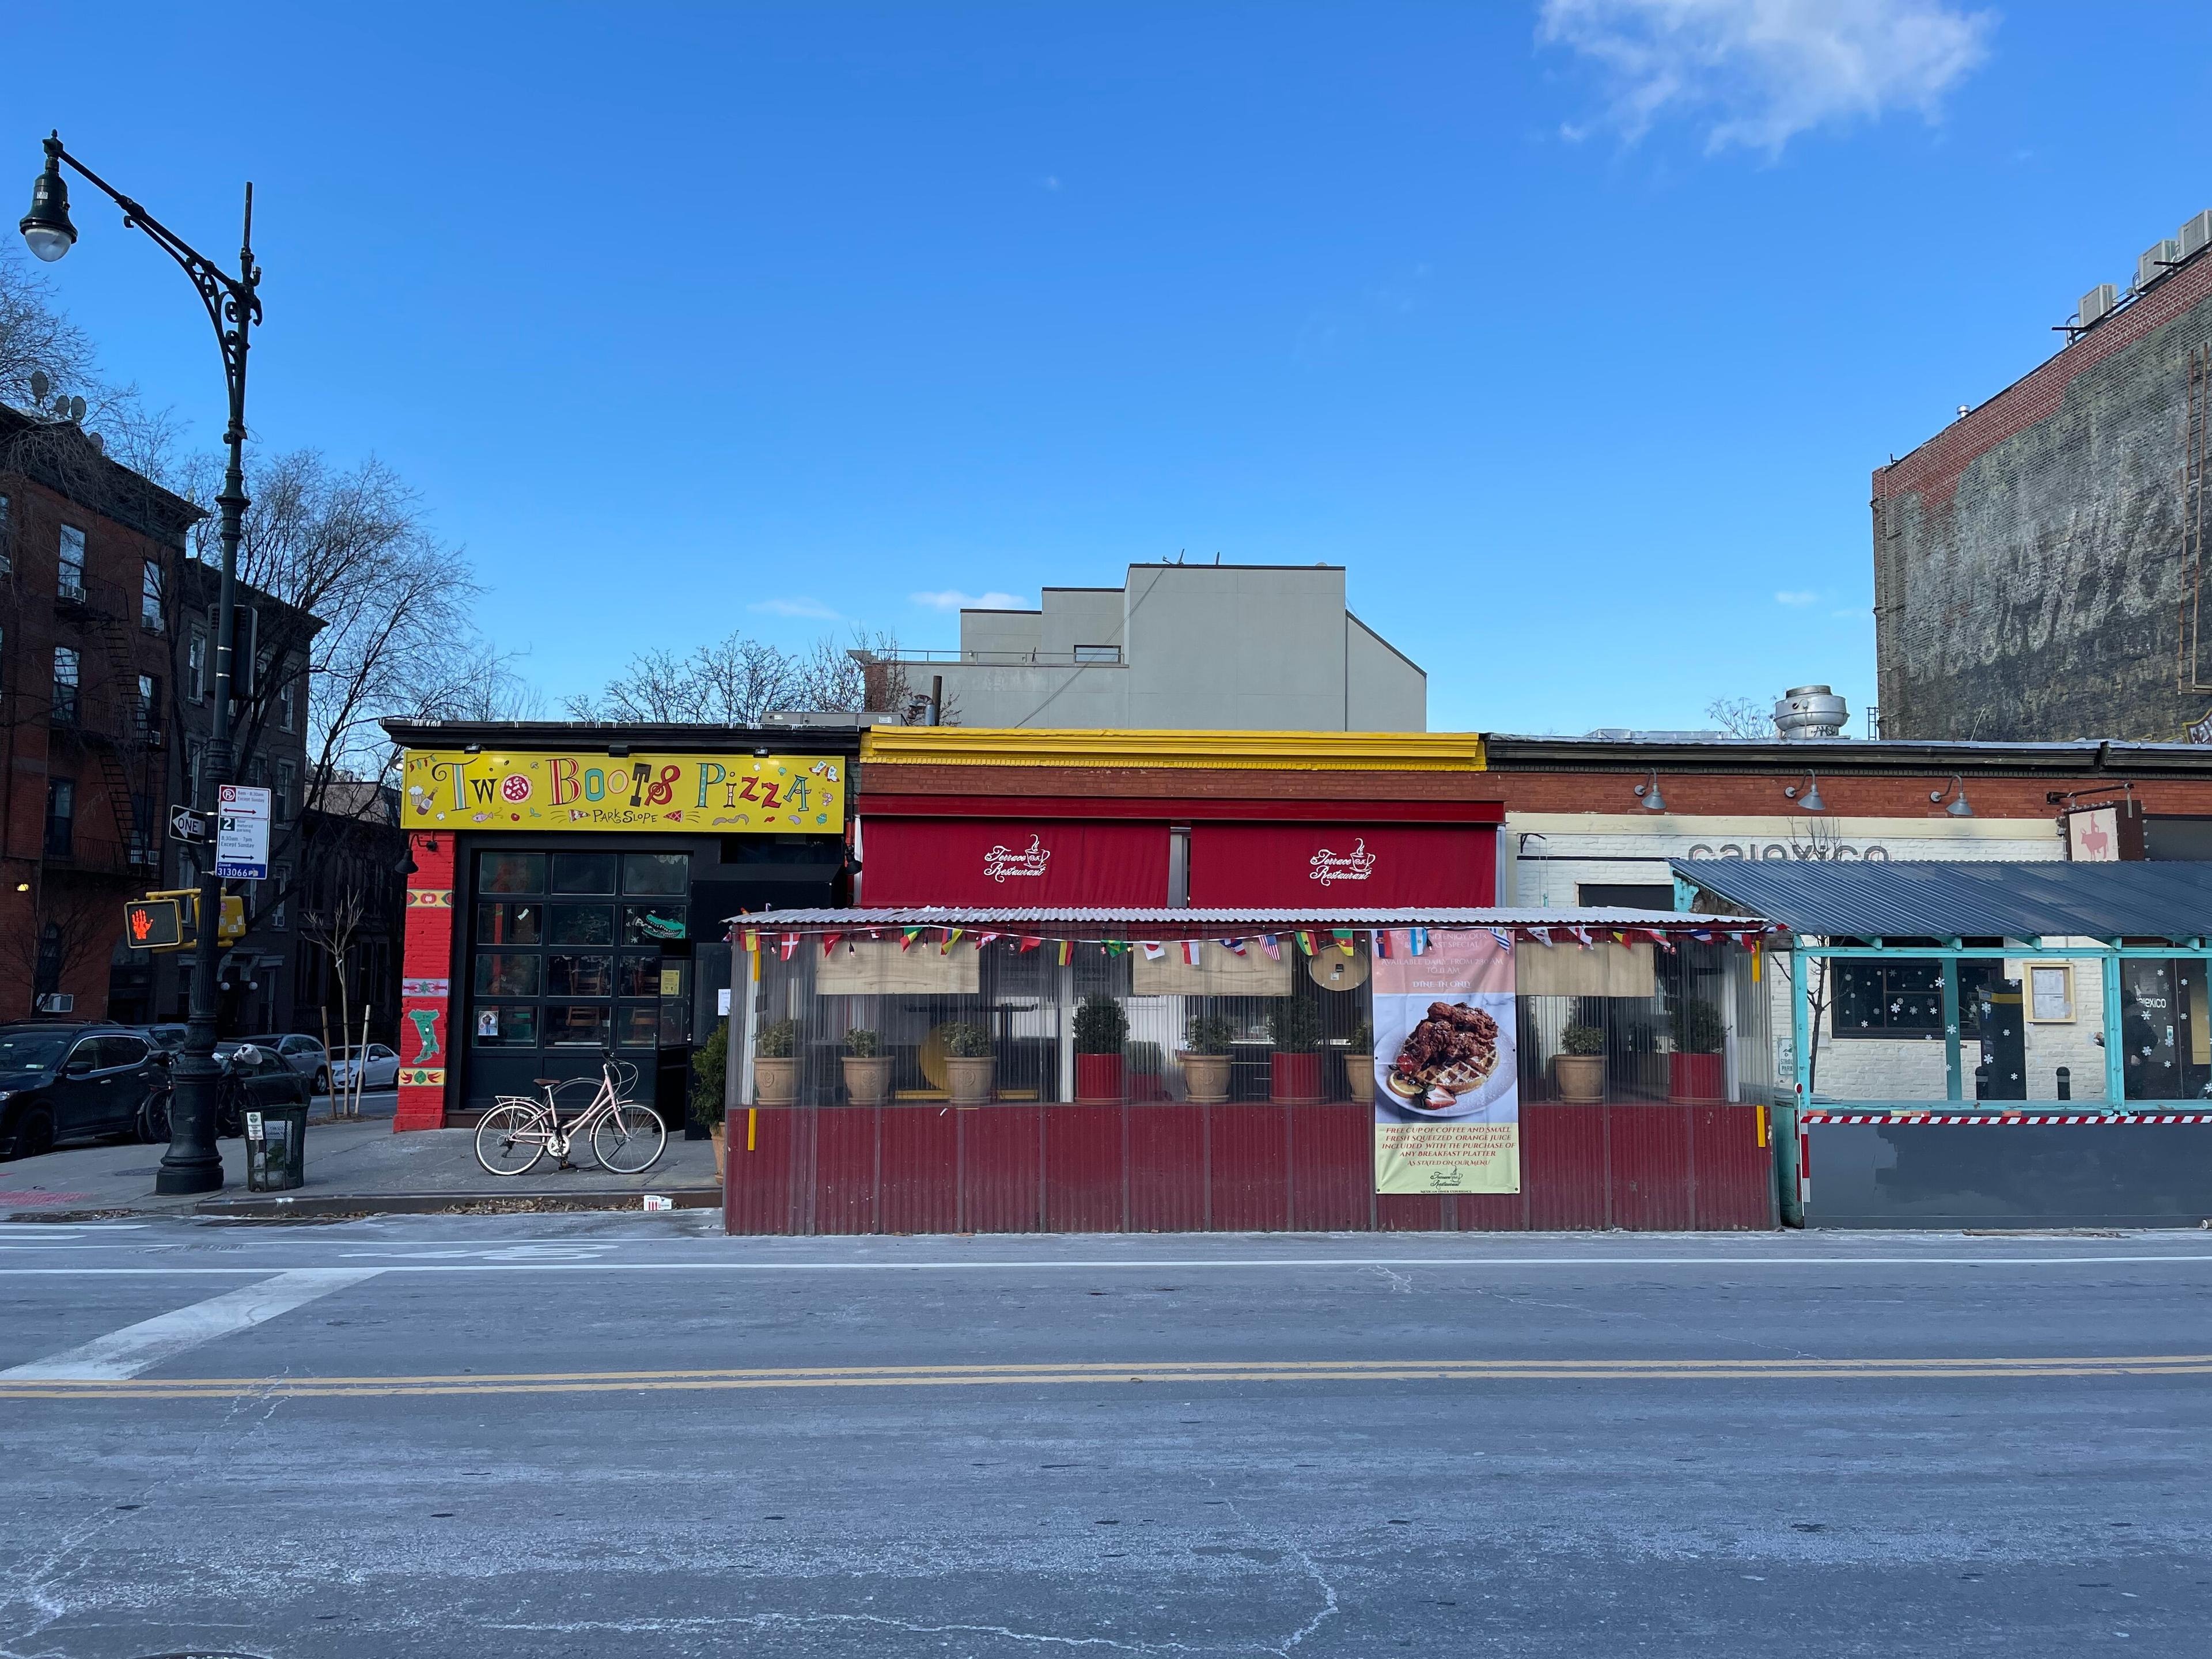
<point>570,888</point>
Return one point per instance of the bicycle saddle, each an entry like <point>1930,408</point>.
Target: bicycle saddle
<point>545,1082</point>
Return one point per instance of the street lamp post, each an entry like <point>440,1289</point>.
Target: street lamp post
<point>193,1162</point>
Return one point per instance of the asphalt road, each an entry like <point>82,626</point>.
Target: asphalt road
<point>603,1435</point>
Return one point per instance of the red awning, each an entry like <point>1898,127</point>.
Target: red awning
<point>1018,861</point>
<point>1350,864</point>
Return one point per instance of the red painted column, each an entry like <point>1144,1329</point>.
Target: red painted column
<point>425,987</point>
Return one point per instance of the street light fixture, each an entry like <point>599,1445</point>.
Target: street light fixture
<point>193,1162</point>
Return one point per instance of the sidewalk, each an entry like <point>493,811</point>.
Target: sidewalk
<point>353,1167</point>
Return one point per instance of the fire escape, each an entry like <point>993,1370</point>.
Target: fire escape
<point>121,733</point>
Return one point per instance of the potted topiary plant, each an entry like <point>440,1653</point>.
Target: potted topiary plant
<point>710,1064</point>
<point>776,1064</point>
<point>1294,1071</point>
<point>1205,1062</point>
<point>1101,1028</point>
<point>868,1072</point>
<point>1578,1069</point>
<point>1359,1064</point>
<point>969,1061</point>
<point>1697,1075</point>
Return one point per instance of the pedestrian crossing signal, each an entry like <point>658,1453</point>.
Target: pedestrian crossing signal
<point>153,923</point>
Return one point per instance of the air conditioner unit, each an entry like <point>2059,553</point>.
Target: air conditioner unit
<point>58,1002</point>
<point>2155,260</point>
<point>2098,303</point>
<point>2196,234</point>
<point>69,591</point>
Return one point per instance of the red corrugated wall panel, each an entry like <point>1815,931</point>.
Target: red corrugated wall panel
<point>1332,1167</point>
<point>1083,1169</point>
<point>1494,1212</point>
<point>760,1194</point>
<point>1249,1165</point>
<point>921,1171</point>
<point>1001,1171</point>
<point>1167,1168</point>
<point>1412,1212</point>
<point>1735,1174</point>
<point>1563,1165</point>
<point>845,1168</point>
<point>1649,1160</point>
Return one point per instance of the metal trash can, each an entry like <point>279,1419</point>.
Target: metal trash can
<point>276,1149</point>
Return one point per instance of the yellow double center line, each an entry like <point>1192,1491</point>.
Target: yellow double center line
<point>1103,1372</point>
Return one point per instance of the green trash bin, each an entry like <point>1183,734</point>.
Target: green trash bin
<point>276,1148</point>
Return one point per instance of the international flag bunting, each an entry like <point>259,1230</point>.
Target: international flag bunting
<point>829,942</point>
<point>1064,952</point>
<point>1029,942</point>
<point>982,940</point>
<point>1703,935</point>
<point>1234,946</point>
<point>1305,942</point>
<point>1118,947</point>
<point>1190,952</point>
<point>1383,942</point>
<point>1620,936</point>
<point>951,938</point>
<point>1664,941</point>
<point>1271,946</point>
<point>1502,935</point>
<point>787,946</point>
<point>1541,935</point>
<point>907,938</point>
<point>1417,941</point>
<point>1154,950</point>
<point>1582,937</point>
<point>1343,938</point>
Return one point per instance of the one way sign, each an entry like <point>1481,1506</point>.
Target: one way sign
<point>185,823</point>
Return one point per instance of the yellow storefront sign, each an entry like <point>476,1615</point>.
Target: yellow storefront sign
<point>706,794</point>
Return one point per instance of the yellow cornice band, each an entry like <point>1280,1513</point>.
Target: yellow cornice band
<point>1276,752</point>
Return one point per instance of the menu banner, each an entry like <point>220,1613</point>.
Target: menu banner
<point>588,790</point>
<point>1447,1080</point>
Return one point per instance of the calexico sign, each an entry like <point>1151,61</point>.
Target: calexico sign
<point>591,790</point>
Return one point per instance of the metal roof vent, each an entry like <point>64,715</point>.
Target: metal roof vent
<point>2097,303</point>
<point>1810,711</point>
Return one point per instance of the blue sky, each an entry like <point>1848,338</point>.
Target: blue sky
<point>1573,329</point>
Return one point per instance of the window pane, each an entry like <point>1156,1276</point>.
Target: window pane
<point>640,976</point>
<point>510,872</point>
<point>656,873</point>
<point>578,976</point>
<point>582,924</point>
<point>651,924</point>
<point>510,924</point>
<point>637,1025</point>
<point>576,1024</point>
<point>583,873</point>
<point>500,1025</point>
<point>500,975</point>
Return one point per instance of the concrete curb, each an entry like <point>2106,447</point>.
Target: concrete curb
<point>277,1206</point>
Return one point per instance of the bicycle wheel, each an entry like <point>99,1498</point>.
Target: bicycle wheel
<point>628,1139</point>
<point>510,1138</point>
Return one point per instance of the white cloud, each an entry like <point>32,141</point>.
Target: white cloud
<point>953,599</point>
<point>1761,71</point>
<point>1803,596</point>
<point>1050,181</point>
<point>813,608</point>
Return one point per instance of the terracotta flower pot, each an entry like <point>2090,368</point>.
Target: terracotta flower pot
<point>719,1134</point>
<point>867,1081</point>
<point>1579,1078</point>
<point>1294,1079</point>
<point>1099,1080</point>
<point>776,1081</point>
<point>1205,1077</point>
<point>970,1079</point>
<point>1359,1077</point>
<point>1696,1079</point>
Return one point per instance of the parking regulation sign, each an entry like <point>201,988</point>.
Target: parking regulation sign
<point>241,832</point>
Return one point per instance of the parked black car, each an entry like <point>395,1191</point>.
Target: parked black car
<point>252,1078</point>
<point>68,1082</point>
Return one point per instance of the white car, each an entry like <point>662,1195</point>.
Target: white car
<point>379,1069</point>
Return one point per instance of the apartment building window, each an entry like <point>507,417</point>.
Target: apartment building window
<point>282,872</point>
<point>149,599</point>
<point>150,709</point>
<point>196,666</point>
<point>284,695</point>
<point>195,761</point>
<point>65,685</point>
<point>145,832</point>
<point>72,563</point>
<point>61,818</point>
<point>287,780</point>
<point>7,541</point>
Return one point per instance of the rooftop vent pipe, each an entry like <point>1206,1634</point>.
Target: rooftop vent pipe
<point>1810,711</point>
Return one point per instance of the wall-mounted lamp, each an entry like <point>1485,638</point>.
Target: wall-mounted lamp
<point>1959,807</point>
<point>617,751</point>
<point>472,748</point>
<point>1648,791</point>
<point>761,753</point>
<point>1808,796</point>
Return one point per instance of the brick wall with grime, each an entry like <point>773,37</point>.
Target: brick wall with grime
<point>2032,579</point>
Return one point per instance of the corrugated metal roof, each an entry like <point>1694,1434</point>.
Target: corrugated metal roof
<point>1965,899</point>
<point>1195,921</point>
